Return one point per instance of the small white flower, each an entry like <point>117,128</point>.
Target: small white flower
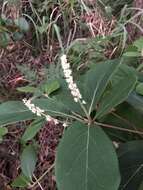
<point>83,102</point>
<point>48,118</point>
<point>65,125</point>
<point>56,121</point>
<point>76,99</point>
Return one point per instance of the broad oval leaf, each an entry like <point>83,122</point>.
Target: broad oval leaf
<point>121,88</point>
<point>28,161</point>
<point>86,160</point>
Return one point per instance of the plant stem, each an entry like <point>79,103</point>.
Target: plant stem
<point>40,178</point>
<point>119,128</point>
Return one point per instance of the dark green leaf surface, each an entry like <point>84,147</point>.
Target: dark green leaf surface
<point>136,101</point>
<point>131,165</point>
<point>119,91</point>
<point>28,161</point>
<point>14,111</point>
<point>32,130</point>
<point>96,80</point>
<point>86,160</point>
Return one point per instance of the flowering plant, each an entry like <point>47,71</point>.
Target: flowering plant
<point>85,158</point>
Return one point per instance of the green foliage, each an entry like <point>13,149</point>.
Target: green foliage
<point>118,92</point>
<point>3,131</point>
<point>21,181</point>
<point>97,79</point>
<point>12,29</point>
<point>28,161</point>
<point>103,86</point>
<point>139,88</point>
<point>130,160</point>
<point>136,49</point>
<point>32,130</point>
<point>89,162</point>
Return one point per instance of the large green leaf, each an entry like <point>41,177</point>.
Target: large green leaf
<point>28,161</point>
<point>131,165</point>
<point>96,80</point>
<point>86,160</point>
<point>121,88</point>
<point>15,111</point>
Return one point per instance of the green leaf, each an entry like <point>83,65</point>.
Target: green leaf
<point>50,87</point>
<point>132,54</point>
<point>4,39</point>
<point>17,36</point>
<point>22,24</point>
<point>96,80</point>
<point>32,130</point>
<point>119,91</point>
<point>27,89</point>
<point>52,106</point>
<point>136,101</point>
<point>20,181</point>
<point>139,43</point>
<point>86,160</point>
<point>15,111</point>
<point>139,88</point>
<point>3,131</point>
<point>28,161</point>
<point>131,164</point>
<point>125,116</point>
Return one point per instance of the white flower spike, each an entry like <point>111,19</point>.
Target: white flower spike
<point>38,111</point>
<point>69,79</point>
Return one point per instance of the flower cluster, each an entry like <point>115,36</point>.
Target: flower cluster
<point>69,79</point>
<point>38,111</point>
